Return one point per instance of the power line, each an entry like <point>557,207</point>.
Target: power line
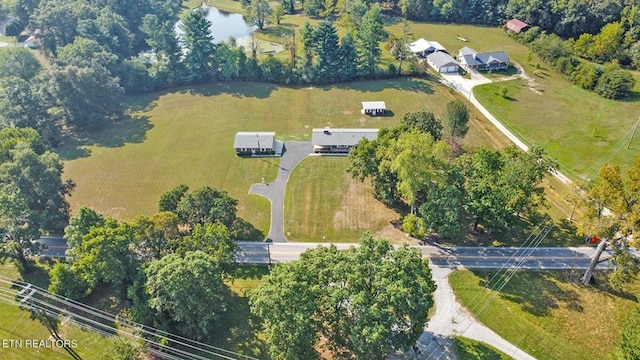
<point>79,313</point>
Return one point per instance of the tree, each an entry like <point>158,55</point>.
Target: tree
<point>615,83</point>
<point>326,47</point>
<point>57,21</point>
<point>79,225</point>
<point>207,205</point>
<point>198,41</point>
<point>348,55</point>
<point>424,121</point>
<point>18,61</point>
<point>330,295</point>
<point>106,255</point>
<point>156,236</point>
<point>188,290</point>
<point>613,214</point>
<point>289,6</point>
<point>258,12</point>
<point>67,282</point>
<point>369,35</point>
<point>401,46</point>
<point>214,240</point>
<point>277,13</point>
<point>162,39</point>
<point>456,117</point>
<point>86,97</point>
<point>169,200</point>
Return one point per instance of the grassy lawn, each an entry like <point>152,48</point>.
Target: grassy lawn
<point>324,203</point>
<point>18,324</point>
<point>580,129</point>
<point>468,349</point>
<point>547,315</point>
<point>186,136</point>
<point>243,331</point>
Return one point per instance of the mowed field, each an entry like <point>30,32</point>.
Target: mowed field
<point>324,202</point>
<point>547,313</point>
<point>186,136</point>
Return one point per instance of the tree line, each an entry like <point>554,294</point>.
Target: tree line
<point>418,163</point>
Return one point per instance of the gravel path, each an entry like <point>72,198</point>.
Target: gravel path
<point>294,152</point>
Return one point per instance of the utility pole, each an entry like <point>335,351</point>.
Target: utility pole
<point>269,242</point>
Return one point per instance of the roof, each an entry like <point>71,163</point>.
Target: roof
<point>467,51</point>
<point>328,137</point>
<point>373,105</point>
<point>516,25</point>
<point>251,140</point>
<point>491,57</point>
<point>421,45</point>
<point>440,59</point>
<point>469,60</point>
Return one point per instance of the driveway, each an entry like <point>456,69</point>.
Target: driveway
<point>294,152</point>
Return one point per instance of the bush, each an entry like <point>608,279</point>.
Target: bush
<point>65,281</point>
<point>414,226</point>
<point>13,27</point>
<point>615,84</point>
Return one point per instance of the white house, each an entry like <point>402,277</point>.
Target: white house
<point>339,141</point>
<point>373,107</point>
<point>422,47</point>
<point>257,143</point>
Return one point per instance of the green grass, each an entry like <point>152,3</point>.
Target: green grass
<point>18,324</point>
<point>547,314</point>
<point>242,331</point>
<point>324,203</point>
<point>467,349</point>
<point>580,129</point>
<point>186,136</point>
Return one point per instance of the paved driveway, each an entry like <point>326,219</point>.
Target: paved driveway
<point>294,152</point>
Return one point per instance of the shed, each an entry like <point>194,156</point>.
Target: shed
<point>517,26</point>
<point>339,141</point>
<point>443,62</point>
<point>373,107</point>
<point>257,143</point>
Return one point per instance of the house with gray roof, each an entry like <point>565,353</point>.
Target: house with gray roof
<point>339,141</point>
<point>443,62</point>
<point>491,61</point>
<point>257,144</point>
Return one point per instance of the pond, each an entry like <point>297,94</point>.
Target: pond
<point>224,25</point>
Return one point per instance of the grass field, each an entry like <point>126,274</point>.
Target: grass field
<point>186,136</point>
<point>17,324</point>
<point>547,315</point>
<point>467,349</point>
<point>579,128</point>
<point>323,202</point>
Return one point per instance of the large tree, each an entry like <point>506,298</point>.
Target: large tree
<point>200,49</point>
<point>32,194</point>
<point>188,289</point>
<point>259,12</point>
<point>369,35</point>
<point>456,118</point>
<point>613,215</point>
<point>329,299</point>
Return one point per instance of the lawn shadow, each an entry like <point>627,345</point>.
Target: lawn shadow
<point>403,83</point>
<point>240,328</point>
<point>537,292</point>
<point>132,129</point>
<point>281,30</point>
<point>235,89</point>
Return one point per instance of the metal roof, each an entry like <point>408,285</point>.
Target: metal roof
<point>495,56</point>
<point>334,137</point>
<point>440,59</point>
<point>373,105</point>
<point>250,140</point>
<point>421,45</point>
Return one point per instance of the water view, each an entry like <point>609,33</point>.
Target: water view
<point>224,25</point>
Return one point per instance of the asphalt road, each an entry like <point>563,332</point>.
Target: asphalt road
<point>470,257</point>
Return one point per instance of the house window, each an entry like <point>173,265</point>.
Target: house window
<point>343,146</point>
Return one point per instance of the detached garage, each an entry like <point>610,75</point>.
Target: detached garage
<point>443,62</point>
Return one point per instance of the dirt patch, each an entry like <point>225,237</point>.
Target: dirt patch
<point>362,121</point>
<point>358,210</point>
<point>346,112</point>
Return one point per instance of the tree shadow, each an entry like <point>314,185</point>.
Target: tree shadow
<point>401,83</point>
<point>537,292</point>
<point>235,89</point>
<point>243,230</point>
<point>240,329</point>
<point>132,129</point>
<point>467,349</point>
